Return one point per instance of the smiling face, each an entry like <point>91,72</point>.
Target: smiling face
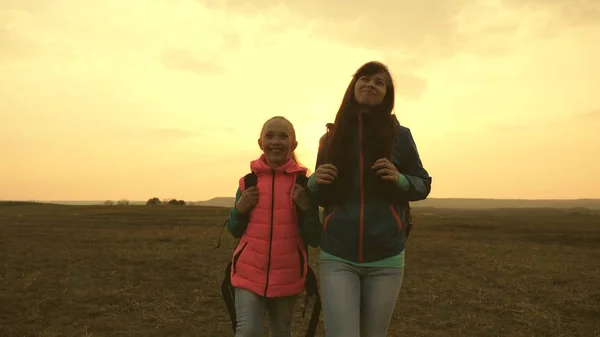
<point>370,90</point>
<point>277,141</point>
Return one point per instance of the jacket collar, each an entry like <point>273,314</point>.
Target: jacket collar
<point>260,166</point>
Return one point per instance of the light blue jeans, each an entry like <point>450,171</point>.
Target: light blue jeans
<point>250,310</point>
<point>358,301</point>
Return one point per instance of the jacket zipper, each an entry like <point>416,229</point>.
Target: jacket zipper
<point>362,190</point>
<point>271,234</point>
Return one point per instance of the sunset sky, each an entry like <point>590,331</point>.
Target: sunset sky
<point>135,99</point>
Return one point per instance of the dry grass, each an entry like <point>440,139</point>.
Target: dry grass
<point>152,271</point>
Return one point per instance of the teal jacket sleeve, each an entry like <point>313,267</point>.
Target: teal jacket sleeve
<point>414,181</point>
<point>237,222</point>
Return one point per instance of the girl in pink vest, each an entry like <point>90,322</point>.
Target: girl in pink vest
<point>269,264</point>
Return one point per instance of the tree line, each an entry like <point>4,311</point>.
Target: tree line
<point>151,202</point>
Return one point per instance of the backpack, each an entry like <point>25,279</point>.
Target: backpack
<point>407,213</point>
<point>312,288</point>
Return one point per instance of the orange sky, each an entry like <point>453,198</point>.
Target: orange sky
<point>134,99</point>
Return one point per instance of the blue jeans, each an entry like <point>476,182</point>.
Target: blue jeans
<point>250,310</point>
<point>358,301</point>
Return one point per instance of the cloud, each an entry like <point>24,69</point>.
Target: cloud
<point>409,86</point>
<point>166,33</point>
<point>564,12</point>
<point>154,134</point>
<point>230,42</point>
<point>551,18</point>
<point>31,6</point>
<point>502,29</point>
<point>172,133</point>
<point>510,128</point>
<point>590,115</point>
<point>212,61</point>
<point>425,27</point>
<point>587,119</point>
<point>408,34</point>
<point>16,40</point>
<point>188,61</point>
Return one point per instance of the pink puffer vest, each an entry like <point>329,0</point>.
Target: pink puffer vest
<point>270,259</point>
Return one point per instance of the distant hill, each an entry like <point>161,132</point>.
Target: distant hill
<point>219,202</point>
<point>22,203</point>
<point>506,203</point>
<point>457,203</point>
<point>451,203</point>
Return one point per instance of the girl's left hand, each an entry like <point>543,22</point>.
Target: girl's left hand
<point>385,170</point>
<point>301,198</point>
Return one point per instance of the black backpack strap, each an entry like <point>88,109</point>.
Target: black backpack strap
<point>311,284</point>
<point>250,180</point>
<point>227,291</point>
<point>312,289</point>
<point>228,294</point>
<point>221,234</point>
<point>301,180</point>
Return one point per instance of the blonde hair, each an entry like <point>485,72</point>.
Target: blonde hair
<point>292,134</point>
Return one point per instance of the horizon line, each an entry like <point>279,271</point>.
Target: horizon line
<point>432,198</point>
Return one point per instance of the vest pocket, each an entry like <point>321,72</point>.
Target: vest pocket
<point>396,217</point>
<point>326,220</point>
<point>301,258</point>
<point>236,257</point>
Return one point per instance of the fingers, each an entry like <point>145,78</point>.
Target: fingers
<point>251,189</point>
<point>251,192</point>
<point>326,174</point>
<point>385,169</point>
<point>390,177</point>
<point>325,178</point>
<point>251,195</point>
<point>382,163</point>
<point>301,198</point>
<point>329,167</point>
<point>382,160</point>
<point>386,172</point>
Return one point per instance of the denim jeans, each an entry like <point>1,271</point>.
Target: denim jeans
<point>358,301</point>
<point>250,310</point>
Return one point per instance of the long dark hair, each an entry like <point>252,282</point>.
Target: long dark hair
<point>378,132</point>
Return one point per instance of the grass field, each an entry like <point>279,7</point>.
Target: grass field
<point>152,271</point>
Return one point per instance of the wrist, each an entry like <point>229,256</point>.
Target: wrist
<point>311,184</point>
<point>402,182</point>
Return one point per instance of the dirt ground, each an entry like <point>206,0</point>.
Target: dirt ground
<point>152,271</point>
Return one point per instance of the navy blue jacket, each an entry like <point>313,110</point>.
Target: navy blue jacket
<point>362,227</point>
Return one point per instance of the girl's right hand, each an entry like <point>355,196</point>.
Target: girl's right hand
<point>248,200</point>
<point>326,174</point>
